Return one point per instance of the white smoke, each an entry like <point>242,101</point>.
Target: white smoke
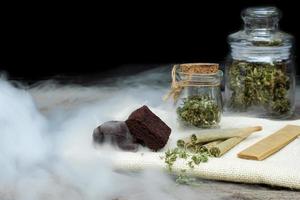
<point>46,149</point>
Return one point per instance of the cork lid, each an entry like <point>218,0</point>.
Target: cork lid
<point>201,68</point>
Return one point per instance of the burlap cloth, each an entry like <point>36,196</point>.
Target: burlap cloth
<point>281,169</point>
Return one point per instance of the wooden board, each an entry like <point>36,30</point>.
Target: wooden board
<point>271,144</point>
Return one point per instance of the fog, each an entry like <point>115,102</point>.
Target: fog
<point>46,147</point>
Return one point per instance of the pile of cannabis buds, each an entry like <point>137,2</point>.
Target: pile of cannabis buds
<point>264,84</point>
<point>260,84</point>
<point>200,111</point>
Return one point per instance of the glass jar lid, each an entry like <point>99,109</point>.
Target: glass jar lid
<point>261,12</point>
<point>261,40</point>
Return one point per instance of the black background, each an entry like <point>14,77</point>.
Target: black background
<point>47,40</point>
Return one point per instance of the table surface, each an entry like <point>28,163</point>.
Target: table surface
<point>227,190</point>
<point>213,189</point>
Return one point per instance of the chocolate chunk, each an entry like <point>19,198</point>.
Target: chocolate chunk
<point>146,127</point>
<point>116,133</point>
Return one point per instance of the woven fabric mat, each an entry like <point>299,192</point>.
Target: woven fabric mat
<point>280,169</point>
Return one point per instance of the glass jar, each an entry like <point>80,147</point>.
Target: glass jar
<point>260,75</point>
<point>200,101</point>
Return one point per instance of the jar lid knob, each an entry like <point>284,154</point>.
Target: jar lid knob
<point>261,12</point>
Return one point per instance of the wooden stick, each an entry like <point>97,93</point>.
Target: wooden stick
<point>271,144</point>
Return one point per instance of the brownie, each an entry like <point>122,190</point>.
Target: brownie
<point>148,128</point>
<point>116,133</point>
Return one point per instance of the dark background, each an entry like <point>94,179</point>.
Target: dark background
<point>68,40</point>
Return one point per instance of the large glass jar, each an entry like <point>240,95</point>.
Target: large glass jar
<point>200,101</point>
<point>260,76</point>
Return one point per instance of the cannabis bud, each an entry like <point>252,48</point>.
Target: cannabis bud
<point>259,84</point>
<point>200,111</point>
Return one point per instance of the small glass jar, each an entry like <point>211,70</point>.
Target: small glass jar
<point>200,101</point>
<point>260,75</point>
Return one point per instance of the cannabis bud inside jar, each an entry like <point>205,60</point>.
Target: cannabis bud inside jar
<point>197,94</point>
<point>260,72</point>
